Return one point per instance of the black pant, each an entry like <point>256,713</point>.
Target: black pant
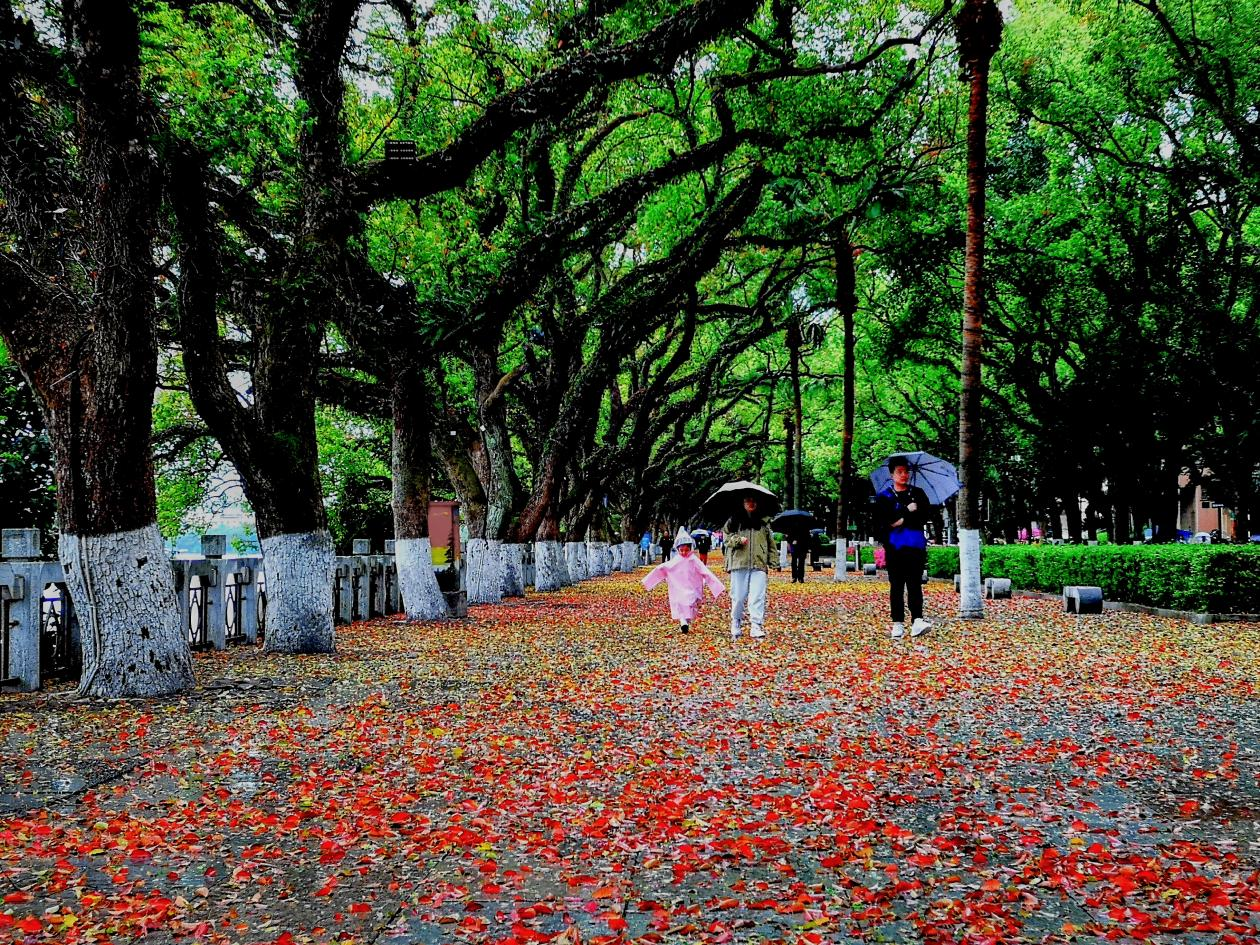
<point>905,572</point>
<point>798,565</point>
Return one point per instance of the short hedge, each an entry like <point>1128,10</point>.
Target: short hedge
<point>1205,578</point>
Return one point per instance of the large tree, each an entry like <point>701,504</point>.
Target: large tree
<point>978,28</point>
<point>79,213</point>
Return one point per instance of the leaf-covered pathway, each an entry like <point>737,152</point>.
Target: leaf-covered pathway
<point>570,769</point>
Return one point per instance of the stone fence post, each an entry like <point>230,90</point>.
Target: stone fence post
<point>221,601</point>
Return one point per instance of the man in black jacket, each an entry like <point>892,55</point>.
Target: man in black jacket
<point>900,513</point>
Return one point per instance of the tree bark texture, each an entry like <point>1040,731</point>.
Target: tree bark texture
<point>299,570</point>
<point>123,590</point>
<point>846,303</point>
<point>80,212</point>
<point>577,560</point>
<point>422,599</point>
<point>978,28</point>
<point>485,576</point>
<point>550,572</point>
<point>629,556</point>
<point>513,569</point>
<point>411,461</point>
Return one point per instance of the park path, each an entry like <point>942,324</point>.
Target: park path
<point>570,769</point>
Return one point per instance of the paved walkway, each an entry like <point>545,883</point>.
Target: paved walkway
<point>569,769</point>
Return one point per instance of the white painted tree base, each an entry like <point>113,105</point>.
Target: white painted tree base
<point>485,579</point>
<point>840,572</point>
<point>575,558</point>
<point>600,558</point>
<point>971,597</point>
<point>417,583</point>
<point>614,553</point>
<point>299,569</point>
<point>629,556</point>
<point>123,590</point>
<point>512,570</point>
<point>550,572</point>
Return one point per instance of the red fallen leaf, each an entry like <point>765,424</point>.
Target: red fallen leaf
<point>1188,807</point>
<point>604,892</point>
<point>922,859</point>
<point>991,885</point>
<point>359,908</point>
<point>30,924</point>
<point>614,921</point>
<point>726,903</point>
<point>19,896</point>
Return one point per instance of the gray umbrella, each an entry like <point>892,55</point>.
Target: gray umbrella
<point>936,477</point>
<point>730,497</point>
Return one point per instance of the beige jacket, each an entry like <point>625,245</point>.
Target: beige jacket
<point>748,548</point>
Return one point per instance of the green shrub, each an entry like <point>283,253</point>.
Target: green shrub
<point>1209,578</point>
<point>942,561</point>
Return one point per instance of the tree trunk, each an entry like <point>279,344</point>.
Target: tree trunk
<point>513,569</point>
<point>978,27</point>
<point>85,339</point>
<point>797,432</point>
<point>502,487</point>
<point>551,572</point>
<point>411,458</point>
<point>789,462</point>
<point>846,303</point>
<point>485,570</point>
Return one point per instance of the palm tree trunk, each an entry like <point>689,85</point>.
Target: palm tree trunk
<point>979,30</point>
<point>846,302</point>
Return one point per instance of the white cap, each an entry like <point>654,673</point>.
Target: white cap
<point>682,538</point>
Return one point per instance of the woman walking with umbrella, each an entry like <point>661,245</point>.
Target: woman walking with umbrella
<point>748,545</point>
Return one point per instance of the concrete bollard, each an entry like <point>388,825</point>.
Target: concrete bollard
<point>1082,599</point>
<point>997,588</point>
<point>869,569</point>
<point>957,583</point>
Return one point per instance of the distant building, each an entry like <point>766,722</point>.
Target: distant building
<point>1198,511</point>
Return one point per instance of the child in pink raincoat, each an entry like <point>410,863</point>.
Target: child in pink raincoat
<point>687,576</point>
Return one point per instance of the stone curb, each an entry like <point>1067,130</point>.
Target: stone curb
<point>1193,616</point>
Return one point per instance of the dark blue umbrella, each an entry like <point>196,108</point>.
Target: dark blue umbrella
<point>936,477</point>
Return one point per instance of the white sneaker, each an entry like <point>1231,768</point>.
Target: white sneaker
<point>898,631</point>
<point>920,627</point>
<point>756,633</point>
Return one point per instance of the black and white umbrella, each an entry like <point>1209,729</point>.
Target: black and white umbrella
<point>729,499</point>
